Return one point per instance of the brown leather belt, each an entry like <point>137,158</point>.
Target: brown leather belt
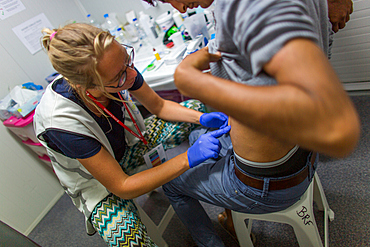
<point>275,184</point>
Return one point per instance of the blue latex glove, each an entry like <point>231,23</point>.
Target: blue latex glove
<point>214,120</point>
<point>206,147</point>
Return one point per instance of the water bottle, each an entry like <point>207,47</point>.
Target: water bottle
<point>110,24</point>
<point>140,32</point>
<point>149,28</point>
<point>92,21</point>
<point>121,37</point>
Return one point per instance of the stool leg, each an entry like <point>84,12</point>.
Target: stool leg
<point>305,235</point>
<point>242,230</point>
<point>166,219</point>
<point>323,205</point>
<point>152,228</point>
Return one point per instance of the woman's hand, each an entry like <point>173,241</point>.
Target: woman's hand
<point>214,120</point>
<point>206,147</point>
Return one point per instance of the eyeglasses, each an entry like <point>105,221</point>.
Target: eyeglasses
<point>129,64</point>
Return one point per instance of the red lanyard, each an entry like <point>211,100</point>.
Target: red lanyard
<point>140,136</point>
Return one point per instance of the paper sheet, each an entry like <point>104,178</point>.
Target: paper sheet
<point>10,7</point>
<point>29,32</point>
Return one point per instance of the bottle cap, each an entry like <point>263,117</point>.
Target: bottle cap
<point>106,15</point>
<point>150,67</point>
<point>88,15</point>
<point>170,45</point>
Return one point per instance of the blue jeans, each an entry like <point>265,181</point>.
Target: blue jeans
<point>215,182</point>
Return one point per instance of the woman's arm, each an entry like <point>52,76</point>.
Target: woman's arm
<point>165,109</point>
<point>109,173</point>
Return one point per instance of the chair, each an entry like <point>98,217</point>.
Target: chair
<point>300,216</point>
<point>156,231</point>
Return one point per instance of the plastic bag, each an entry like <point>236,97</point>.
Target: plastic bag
<point>20,101</point>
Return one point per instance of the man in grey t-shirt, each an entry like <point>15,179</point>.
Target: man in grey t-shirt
<point>271,76</point>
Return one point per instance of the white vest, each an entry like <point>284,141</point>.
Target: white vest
<point>57,112</point>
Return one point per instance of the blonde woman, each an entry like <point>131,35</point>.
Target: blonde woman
<point>84,122</point>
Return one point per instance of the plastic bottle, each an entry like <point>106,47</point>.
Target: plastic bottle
<point>184,15</point>
<point>140,32</point>
<point>110,24</point>
<point>121,37</point>
<point>156,54</point>
<point>91,20</point>
<point>177,17</point>
<point>149,28</point>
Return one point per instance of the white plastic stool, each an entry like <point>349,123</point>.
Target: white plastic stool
<point>300,216</point>
<point>156,231</point>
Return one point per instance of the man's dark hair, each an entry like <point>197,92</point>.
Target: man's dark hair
<point>151,2</point>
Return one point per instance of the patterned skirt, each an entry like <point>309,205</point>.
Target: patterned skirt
<point>117,220</point>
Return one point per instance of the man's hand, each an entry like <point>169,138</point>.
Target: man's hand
<point>200,59</point>
<point>339,11</point>
<point>189,72</point>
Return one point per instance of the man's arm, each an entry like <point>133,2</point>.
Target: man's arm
<point>308,107</point>
<point>339,12</point>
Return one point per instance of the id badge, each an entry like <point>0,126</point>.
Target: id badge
<point>155,156</point>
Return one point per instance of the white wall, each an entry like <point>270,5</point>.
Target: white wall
<point>29,188</point>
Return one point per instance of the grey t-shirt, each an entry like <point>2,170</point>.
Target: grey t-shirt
<point>250,32</point>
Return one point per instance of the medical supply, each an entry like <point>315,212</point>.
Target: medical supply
<point>130,15</point>
<point>177,39</point>
<point>91,20</point>
<point>120,37</point>
<point>184,15</point>
<point>110,24</point>
<point>130,30</point>
<point>165,21</point>
<point>196,25</point>
<point>132,36</point>
<point>156,54</point>
<point>150,67</point>
<point>209,16</point>
<point>175,56</point>
<point>168,26</point>
<point>191,12</point>
<point>177,17</point>
<point>170,44</point>
<point>195,45</point>
<point>140,32</point>
<point>149,26</point>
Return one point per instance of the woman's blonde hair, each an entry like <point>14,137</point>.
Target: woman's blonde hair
<point>74,51</point>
